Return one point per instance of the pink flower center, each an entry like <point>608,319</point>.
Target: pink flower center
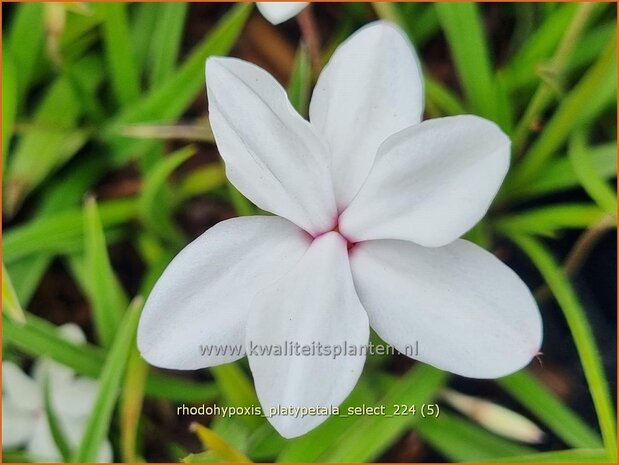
<point>336,228</point>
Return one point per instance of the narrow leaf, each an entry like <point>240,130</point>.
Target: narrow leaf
<point>107,296</point>
<point>581,332</point>
<point>548,408</point>
<point>39,338</point>
<point>110,381</point>
<point>10,302</point>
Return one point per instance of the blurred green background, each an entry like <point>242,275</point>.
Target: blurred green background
<point>109,169</point>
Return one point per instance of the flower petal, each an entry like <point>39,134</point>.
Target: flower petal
<point>202,298</point>
<point>75,398</point>
<point>278,12</point>
<point>469,313</point>
<point>42,448</point>
<point>272,155</point>
<point>19,388</point>
<point>371,88</point>
<point>431,182</point>
<point>314,304</point>
<point>17,425</point>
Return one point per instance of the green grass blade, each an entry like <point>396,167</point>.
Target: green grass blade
<point>560,456</point>
<point>53,422</point>
<point>559,175</point>
<point>110,381</point>
<point>311,446</point>
<point>521,70</point>
<point>155,203</point>
<point>577,108</point>
<point>27,274</point>
<point>593,184</point>
<point>9,102</point>
<point>166,41</point>
<point>241,204</point>
<point>441,100</point>
<point>372,435</point>
<point>201,180</point>
<point>25,42</point>
<point>545,92</point>
<point>107,296</point>
<point>143,22</point>
<point>468,45</point>
<point>39,338</point>
<point>301,81</point>
<point>582,334</point>
<point>10,302</point>
<point>54,138</point>
<point>237,389</point>
<point>118,52</point>
<point>548,408</point>
<point>168,101</point>
<point>62,232</point>
<point>131,404</point>
<point>460,440</point>
<point>548,221</point>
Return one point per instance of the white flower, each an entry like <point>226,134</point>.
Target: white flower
<point>278,12</point>
<point>24,419</point>
<point>370,203</point>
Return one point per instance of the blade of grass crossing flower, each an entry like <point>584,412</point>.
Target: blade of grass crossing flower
<point>131,402</point>
<point>62,232</point>
<point>167,102</point>
<point>110,381</point>
<point>9,102</point>
<point>155,202</point>
<point>548,221</point>
<point>118,52</point>
<point>461,440</point>
<point>39,338</point>
<point>301,80</point>
<point>166,41</point>
<point>544,404</point>
<point>53,422</point>
<point>582,334</point>
<point>10,302</point>
<point>25,42</point>
<point>593,184</point>
<point>107,296</point>
<point>576,108</point>
<point>372,435</point>
<point>237,389</point>
<point>468,45</point>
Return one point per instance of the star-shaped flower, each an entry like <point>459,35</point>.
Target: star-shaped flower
<point>24,418</point>
<point>370,203</point>
<point>278,12</point>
